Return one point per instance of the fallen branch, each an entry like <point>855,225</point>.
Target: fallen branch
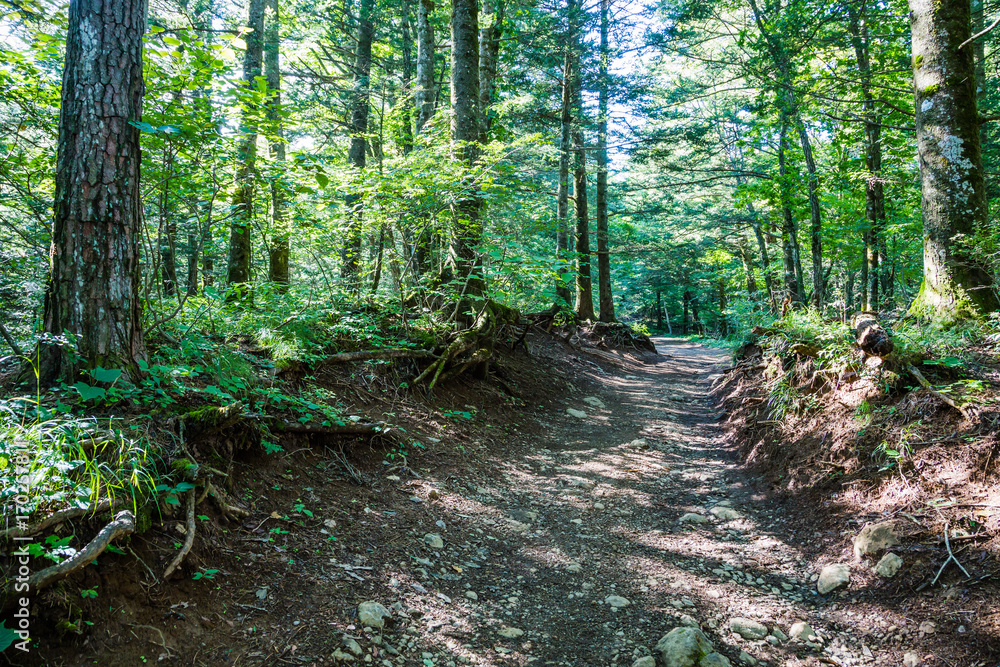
<point>927,385</point>
<point>188,538</point>
<point>59,517</point>
<point>951,557</point>
<point>334,429</point>
<point>400,353</point>
<point>10,341</point>
<point>123,524</point>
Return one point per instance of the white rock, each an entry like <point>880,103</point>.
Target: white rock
<point>692,517</point>
<point>801,631</point>
<point>888,566</point>
<point>648,661</point>
<point>747,659</point>
<point>594,402</point>
<point>372,614</point>
<point>472,595</point>
<point>351,645</point>
<point>687,647</point>
<point>725,513</point>
<point>579,414</point>
<point>747,628</point>
<point>928,627</point>
<point>832,577</point>
<point>574,567</point>
<point>434,541</point>
<point>509,632</point>
<point>779,635</point>
<point>874,538</point>
<point>617,601</point>
<point>598,506</point>
<point>911,660</point>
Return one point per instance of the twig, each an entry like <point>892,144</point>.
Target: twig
<point>163,641</point>
<point>148,569</point>
<point>980,33</point>
<point>10,341</point>
<point>188,539</point>
<point>123,524</point>
<point>951,557</point>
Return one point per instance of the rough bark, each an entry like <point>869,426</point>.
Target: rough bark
<point>93,288</point>
<point>789,230</point>
<point>746,256</point>
<point>242,215</point>
<point>465,133</point>
<point>168,240</point>
<point>350,259</point>
<point>425,64</point>
<point>871,336</point>
<point>815,216</point>
<point>605,298</point>
<point>584,286</point>
<point>406,138</point>
<point>279,250</point>
<point>956,285</point>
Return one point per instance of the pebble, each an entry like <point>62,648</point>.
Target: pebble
<point>510,633</point>
<point>372,614</point>
<point>434,541</point>
<point>579,414</point>
<point>472,595</point>
<point>692,517</point>
<point>747,628</point>
<point>801,630</point>
<point>725,513</point>
<point>888,566</point>
<point>617,601</point>
<point>832,577</point>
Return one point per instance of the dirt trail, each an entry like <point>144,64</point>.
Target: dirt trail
<point>611,515</point>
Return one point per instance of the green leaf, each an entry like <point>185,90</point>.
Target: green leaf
<point>238,43</point>
<point>106,374</point>
<point>171,41</point>
<point>7,637</point>
<point>322,179</point>
<point>87,392</point>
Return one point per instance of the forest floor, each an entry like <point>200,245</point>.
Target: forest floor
<point>573,525</point>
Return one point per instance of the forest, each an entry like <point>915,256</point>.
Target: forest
<point>233,230</point>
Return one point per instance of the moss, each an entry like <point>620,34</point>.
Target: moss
<point>918,61</point>
<point>929,90</point>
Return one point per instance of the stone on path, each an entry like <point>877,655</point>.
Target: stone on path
<point>801,631</point>
<point>648,661</point>
<point>832,577</point>
<point>747,628</point>
<point>692,517</point>
<point>687,647</point>
<point>594,402</point>
<point>725,513</point>
<point>617,601</point>
<point>747,659</point>
<point>579,414</point>
<point>434,541</point>
<point>874,538</point>
<point>888,566</point>
<point>911,659</point>
<point>351,645</point>
<point>372,614</point>
<point>509,632</point>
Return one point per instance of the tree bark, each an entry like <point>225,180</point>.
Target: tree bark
<point>465,133</point>
<point>584,287</point>
<point>815,216</point>
<point>605,298</point>
<point>789,230</point>
<point>563,265</point>
<point>93,288</point>
<point>956,284</point>
<point>168,245</point>
<point>279,250</point>
<point>350,259</point>
<point>242,215</point>
<point>407,76</point>
<point>425,64</point>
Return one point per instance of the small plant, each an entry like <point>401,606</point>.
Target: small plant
<point>457,414</point>
<point>204,574</point>
<point>89,593</point>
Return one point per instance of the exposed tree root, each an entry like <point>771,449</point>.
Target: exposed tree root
<point>927,385</point>
<point>228,510</point>
<point>59,517</point>
<point>188,538</point>
<point>123,524</point>
<point>334,429</point>
<point>403,353</point>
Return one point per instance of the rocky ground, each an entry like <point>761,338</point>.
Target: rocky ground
<point>605,524</point>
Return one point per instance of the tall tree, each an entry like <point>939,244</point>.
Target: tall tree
<point>565,143</point>
<point>489,57</point>
<point>279,250</point>
<point>425,92</point>
<point>584,288</point>
<point>956,284</point>
<point>465,133</point>
<point>605,298</point>
<point>358,149</point>
<point>242,214</point>
<point>93,288</point>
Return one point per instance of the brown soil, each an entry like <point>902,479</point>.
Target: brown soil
<point>544,515</point>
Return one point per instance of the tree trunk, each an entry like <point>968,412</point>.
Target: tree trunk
<point>815,216</point>
<point>409,96</point>
<point>687,306</point>
<point>242,215</point>
<point>279,251</point>
<point>465,132</point>
<point>350,260</point>
<point>605,297</point>
<point>562,198</point>
<point>425,64</point>
<point>584,288</point>
<point>748,268</point>
<point>789,230</point>
<point>956,285</point>
<point>659,311</point>
<point>168,245</point>
<point>723,304</point>
<point>93,288</point>
<point>489,55</point>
